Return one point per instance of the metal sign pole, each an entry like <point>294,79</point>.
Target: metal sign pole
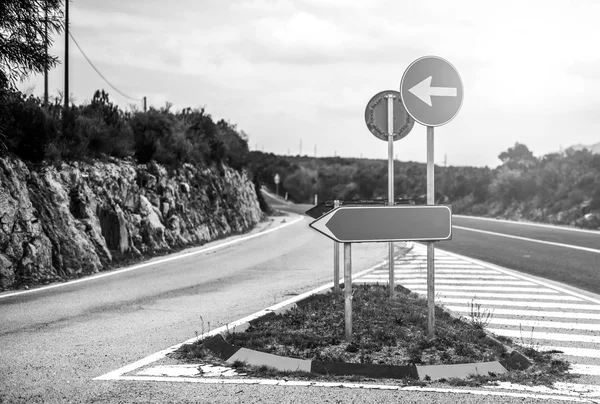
<point>348,290</point>
<point>390,125</point>
<point>336,259</point>
<point>430,247</point>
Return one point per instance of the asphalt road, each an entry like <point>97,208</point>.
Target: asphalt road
<point>53,342</point>
<point>530,253</point>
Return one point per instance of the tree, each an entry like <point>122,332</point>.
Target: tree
<point>518,156</point>
<point>23,40</point>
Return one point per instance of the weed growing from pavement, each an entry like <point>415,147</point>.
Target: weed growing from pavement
<point>391,332</point>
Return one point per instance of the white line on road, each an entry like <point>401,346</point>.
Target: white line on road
<point>590,370</point>
<point>569,351</point>
<point>401,275</point>
<point>543,397</point>
<point>476,288</point>
<point>156,262</point>
<point>403,271</point>
<point>574,247</point>
<point>545,324</point>
<point>574,306</point>
<point>533,313</point>
<point>548,226</point>
<point>554,336</point>
<point>474,282</point>
<point>475,295</point>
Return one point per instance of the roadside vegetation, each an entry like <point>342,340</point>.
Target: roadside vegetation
<point>558,188</point>
<point>384,332</point>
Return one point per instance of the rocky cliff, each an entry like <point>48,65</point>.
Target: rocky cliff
<point>80,218</point>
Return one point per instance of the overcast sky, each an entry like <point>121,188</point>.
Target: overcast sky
<point>289,71</point>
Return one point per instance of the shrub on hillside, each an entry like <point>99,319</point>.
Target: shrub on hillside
<point>27,129</point>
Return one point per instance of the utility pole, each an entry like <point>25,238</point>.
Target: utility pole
<point>46,61</point>
<point>66,54</point>
<point>144,103</point>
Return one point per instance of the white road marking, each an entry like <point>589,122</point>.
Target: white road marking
<point>533,313</point>
<point>204,370</point>
<point>476,288</point>
<point>574,306</point>
<point>589,370</point>
<point>516,275</point>
<point>267,382</point>
<point>475,295</point>
<point>532,240</point>
<point>545,324</point>
<point>475,282</point>
<point>402,276</point>
<point>573,389</point>
<point>156,262</point>
<point>404,272</point>
<point>569,351</point>
<point>424,265</point>
<point>552,336</point>
<point>548,226</point>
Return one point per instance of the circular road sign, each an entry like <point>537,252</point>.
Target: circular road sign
<point>431,91</point>
<point>376,116</point>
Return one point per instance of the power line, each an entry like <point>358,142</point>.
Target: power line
<point>100,74</point>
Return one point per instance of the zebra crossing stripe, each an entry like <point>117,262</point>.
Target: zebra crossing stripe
<point>576,306</point>
<point>569,351</point>
<point>590,370</point>
<point>500,295</point>
<point>553,336</point>
<point>476,288</point>
<point>532,313</point>
<point>476,282</point>
<point>545,324</point>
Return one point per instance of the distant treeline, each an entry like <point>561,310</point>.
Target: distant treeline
<point>100,129</point>
<point>556,188</point>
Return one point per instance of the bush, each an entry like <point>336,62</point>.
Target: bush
<point>27,129</point>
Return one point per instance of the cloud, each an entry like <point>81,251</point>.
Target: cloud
<point>589,69</point>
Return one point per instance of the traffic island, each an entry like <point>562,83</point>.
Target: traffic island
<point>389,341</point>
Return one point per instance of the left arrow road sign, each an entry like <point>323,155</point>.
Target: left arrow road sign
<point>368,224</point>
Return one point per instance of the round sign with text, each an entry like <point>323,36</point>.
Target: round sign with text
<point>431,91</point>
<point>376,116</point>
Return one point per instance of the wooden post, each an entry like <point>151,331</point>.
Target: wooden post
<point>348,290</point>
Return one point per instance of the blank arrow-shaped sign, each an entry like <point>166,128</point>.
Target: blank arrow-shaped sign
<point>424,91</point>
<point>368,224</point>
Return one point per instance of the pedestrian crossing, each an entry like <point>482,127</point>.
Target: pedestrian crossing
<point>531,312</point>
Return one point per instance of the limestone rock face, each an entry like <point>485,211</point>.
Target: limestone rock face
<point>79,218</point>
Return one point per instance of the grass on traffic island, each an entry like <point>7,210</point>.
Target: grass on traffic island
<point>386,332</point>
